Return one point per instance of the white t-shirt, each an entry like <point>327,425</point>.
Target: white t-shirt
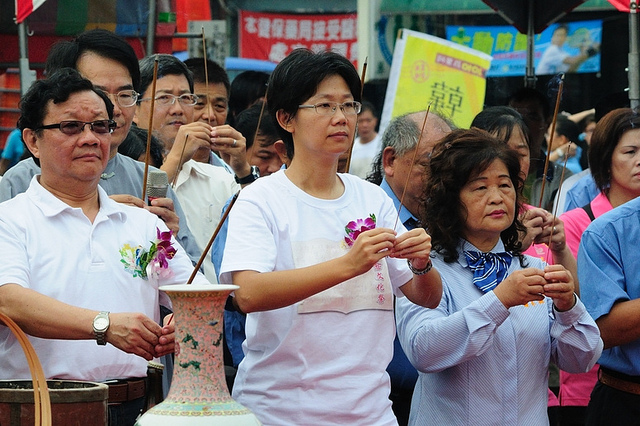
<point>54,249</point>
<point>551,61</point>
<point>362,156</point>
<point>323,360</point>
<point>203,190</point>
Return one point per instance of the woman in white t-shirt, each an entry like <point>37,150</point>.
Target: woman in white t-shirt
<point>318,257</point>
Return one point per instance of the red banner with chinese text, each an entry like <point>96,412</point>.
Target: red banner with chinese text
<point>272,36</point>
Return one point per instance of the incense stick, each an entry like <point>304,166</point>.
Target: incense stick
<point>413,160</point>
<point>555,209</point>
<point>175,176</point>
<point>147,156</point>
<point>553,129</point>
<point>353,140</point>
<point>206,73</point>
<point>255,135</point>
<point>213,237</point>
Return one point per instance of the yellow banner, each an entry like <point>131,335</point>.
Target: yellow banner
<point>429,70</point>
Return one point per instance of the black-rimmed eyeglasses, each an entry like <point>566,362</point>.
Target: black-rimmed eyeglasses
<point>74,127</point>
<point>330,108</point>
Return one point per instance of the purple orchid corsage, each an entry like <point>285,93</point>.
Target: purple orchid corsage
<point>357,227</point>
<point>153,262</point>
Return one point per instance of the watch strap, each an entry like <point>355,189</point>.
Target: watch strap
<point>251,177</point>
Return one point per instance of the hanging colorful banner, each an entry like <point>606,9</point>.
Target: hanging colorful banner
<point>560,48</point>
<point>429,70</point>
<point>272,36</point>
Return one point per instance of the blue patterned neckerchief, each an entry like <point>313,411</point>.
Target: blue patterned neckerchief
<point>489,269</point>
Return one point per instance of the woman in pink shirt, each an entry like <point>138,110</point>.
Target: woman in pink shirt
<point>614,159</point>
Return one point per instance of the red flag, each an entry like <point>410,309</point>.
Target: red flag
<point>621,5</point>
<point>24,8</point>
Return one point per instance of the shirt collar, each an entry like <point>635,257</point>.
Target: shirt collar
<point>52,206</point>
<point>465,245</point>
<point>405,214</point>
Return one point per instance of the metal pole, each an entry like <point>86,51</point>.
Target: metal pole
<point>634,62</point>
<point>27,76</point>
<point>530,76</point>
<point>151,27</point>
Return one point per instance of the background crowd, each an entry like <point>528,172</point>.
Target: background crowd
<point>454,276</point>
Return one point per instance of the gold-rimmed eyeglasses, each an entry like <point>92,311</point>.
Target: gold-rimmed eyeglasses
<point>166,99</point>
<point>330,108</point>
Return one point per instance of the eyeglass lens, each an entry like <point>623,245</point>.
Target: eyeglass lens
<point>98,126</point>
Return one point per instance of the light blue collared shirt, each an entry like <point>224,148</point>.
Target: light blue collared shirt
<point>405,215</point>
<point>481,363</point>
<point>609,272</point>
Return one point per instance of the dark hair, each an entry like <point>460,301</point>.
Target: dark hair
<point>58,87</point>
<point>135,145</point>
<point>564,27</point>
<point>568,128</point>
<point>591,118</point>
<point>215,73</point>
<point>246,88</point>
<point>604,140</point>
<point>457,158</point>
<point>296,79</point>
<point>368,106</point>
<point>65,54</point>
<point>526,94</point>
<point>247,122</point>
<point>500,122</point>
<point>167,65</point>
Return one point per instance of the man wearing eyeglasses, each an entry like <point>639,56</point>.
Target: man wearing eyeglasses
<point>111,64</point>
<point>174,121</point>
<point>62,277</point>
<point>201,187</point>
<point>172,115</point>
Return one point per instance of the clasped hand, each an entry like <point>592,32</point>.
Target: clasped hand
<point>530,284</point>
<point>541,225</point>
<point>374,244</point>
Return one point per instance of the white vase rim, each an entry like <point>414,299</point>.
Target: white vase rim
<point>198,287</point>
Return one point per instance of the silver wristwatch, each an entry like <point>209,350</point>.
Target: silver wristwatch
<point>100,327</point>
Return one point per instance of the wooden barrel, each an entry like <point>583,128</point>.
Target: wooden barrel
<point>73,403</point>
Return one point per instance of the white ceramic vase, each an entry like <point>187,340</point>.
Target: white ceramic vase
<point>198,393</point>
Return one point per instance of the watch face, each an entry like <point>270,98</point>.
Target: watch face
<point>101,324</point>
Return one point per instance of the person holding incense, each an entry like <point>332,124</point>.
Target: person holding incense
<point>211,85</point>
<point>507,125</point>
<point>104,284</point>
<point>483,353</point>
<point>202,188</point>
<point>318,256</point>
<point>112,65</point>
<point>394,166</point>
<point>535,109</point>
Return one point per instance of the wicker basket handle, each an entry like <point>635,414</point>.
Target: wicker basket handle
<point>41,400</point>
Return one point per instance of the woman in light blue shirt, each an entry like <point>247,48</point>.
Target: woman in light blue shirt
<point>483,353</point>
